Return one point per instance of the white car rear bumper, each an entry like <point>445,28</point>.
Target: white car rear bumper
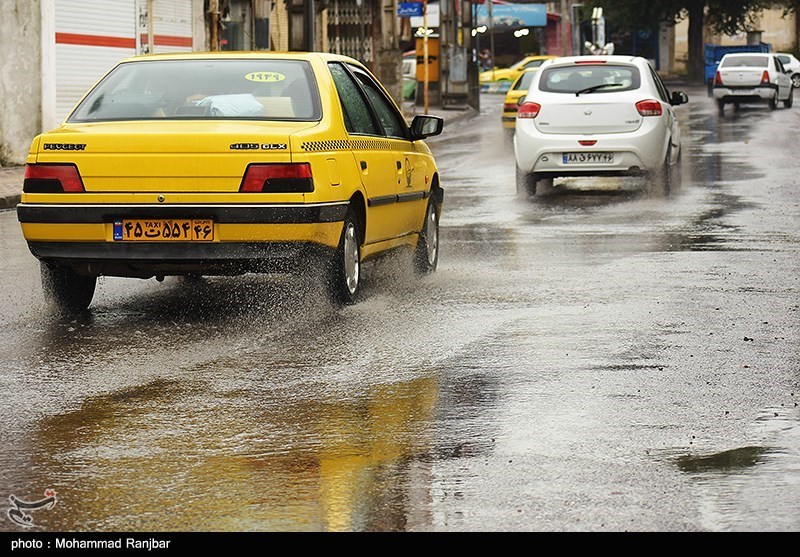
<point>634,152</point>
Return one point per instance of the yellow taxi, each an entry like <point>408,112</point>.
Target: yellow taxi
<point>229,163</point>
<point>516,93</point>
<point>513,72</point>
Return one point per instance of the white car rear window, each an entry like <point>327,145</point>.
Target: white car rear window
<point>264,89</point>
<point>586,78</point>
<point>744,62</point>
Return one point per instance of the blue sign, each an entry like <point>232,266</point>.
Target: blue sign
<point>514,16</point>
<point>409,9</point>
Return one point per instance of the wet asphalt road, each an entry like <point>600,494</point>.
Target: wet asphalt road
<point>600,360</point>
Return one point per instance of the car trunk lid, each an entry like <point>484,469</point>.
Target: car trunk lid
<point>588,114</point>
<point>192,156</point>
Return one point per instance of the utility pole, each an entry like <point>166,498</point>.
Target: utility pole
<point>309,4</point>
<point>491,33</point>
<point>213,8</point>
<point>425,53</point>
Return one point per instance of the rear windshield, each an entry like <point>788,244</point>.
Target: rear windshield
<point>261,89</point>
<point>589,78</point>
<point>744,62</point>
<point>524,82</point>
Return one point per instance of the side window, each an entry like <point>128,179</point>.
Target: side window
<point>662,91</point>
<point>357,116</point>
<point>778,65</point>
<point>391,122</point>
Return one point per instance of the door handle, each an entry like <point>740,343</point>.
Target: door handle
<point>363,165</point>
<point>399,165</point>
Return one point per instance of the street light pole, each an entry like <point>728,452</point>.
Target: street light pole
<point>491,34</point>
<point>425,53</point>
<point>309,25</point>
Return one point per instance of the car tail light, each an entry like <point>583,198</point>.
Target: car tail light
<point>765,78</point>
<point>510,107</point>
<point>529,110</point>
<point>649,108</point>
<point>277,178</point>
<point>587,142</point>
<point>52,178</point>
<point>718,79</point>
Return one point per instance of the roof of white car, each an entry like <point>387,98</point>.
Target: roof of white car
<point>739,54</point>
<point>604,58</point>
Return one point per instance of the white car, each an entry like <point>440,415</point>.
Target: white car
<point>747,77</point>
<point>791,65</point>
<point>596,116</point>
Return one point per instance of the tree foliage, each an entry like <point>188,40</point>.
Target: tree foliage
<point>725,17</point>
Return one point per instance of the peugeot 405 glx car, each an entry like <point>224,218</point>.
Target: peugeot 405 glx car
<point>228,163</point>
<point>596,116</point>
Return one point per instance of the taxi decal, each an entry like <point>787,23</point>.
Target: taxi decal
<point>265,77</point>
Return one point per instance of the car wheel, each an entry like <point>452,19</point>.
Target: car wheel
<point>773,101</point>
<point>721,108</point>
<point>544,186</point>
<point>796,81</point>
<point>790,99</point>
<point>65,289</point>
<point>665,175</point>
<point>426,256</point>
<point>344,269</point>
<point>526,184</point>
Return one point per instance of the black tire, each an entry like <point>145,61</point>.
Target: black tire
<point>721,108</point>
<point>544,186</point>
<point>426,255</point>
<point>344,268</point>
<point>665,176</point>
<point>796,81</point>
<point>790,99</point>
<point>710,87</point>
<point>773,101</point>
<point>66,290</point>
<point>526,184</point>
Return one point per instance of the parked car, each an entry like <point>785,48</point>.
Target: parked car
<point>515,94</point>
<point>792,65</point>
<point>228,163</point>
<point>511,73</point>
<point>752,77</point>
<point>596,116</point>
<point>409,69</point>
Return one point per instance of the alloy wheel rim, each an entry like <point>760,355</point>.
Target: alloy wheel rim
<point>351,264</point>
<point>431,236</point>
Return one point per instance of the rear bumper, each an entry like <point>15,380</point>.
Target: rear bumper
<point>246,237</point>
<point>744,94</point>
<point>634,153</point>
<point>152,259</point>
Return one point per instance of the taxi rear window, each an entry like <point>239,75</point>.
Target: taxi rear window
<point>263,89</point>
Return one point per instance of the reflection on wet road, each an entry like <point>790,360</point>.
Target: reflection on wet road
<point>597,360</point>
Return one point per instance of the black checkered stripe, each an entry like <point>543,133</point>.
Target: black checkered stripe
<point>359,145</point>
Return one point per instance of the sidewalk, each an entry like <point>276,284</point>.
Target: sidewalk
<point>11,176</point>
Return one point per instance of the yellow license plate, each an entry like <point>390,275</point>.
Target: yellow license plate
<point>164,230</point>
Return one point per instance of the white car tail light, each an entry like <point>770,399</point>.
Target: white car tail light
<point>649,107</point>
<point>529,110</point>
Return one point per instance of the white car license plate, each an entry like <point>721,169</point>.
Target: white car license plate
<point>588,158</point>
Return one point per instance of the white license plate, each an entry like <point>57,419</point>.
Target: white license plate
<point>588,158</point>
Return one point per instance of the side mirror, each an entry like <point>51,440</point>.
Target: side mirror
<point>423,126</point>
<point>678,97</point>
